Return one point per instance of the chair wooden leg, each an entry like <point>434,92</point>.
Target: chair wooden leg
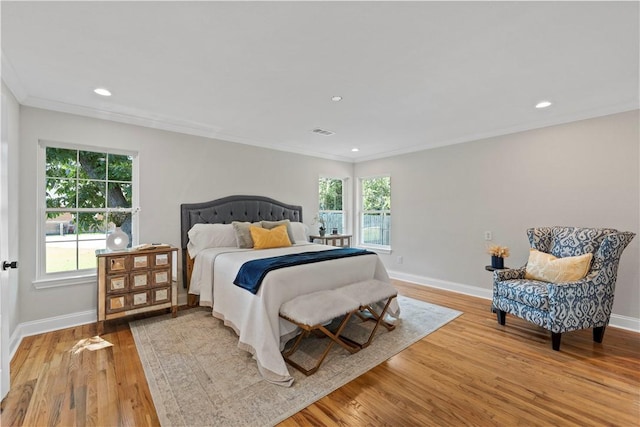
<point>598,333</point>
<point>555,340</point>
<point>502,316</point>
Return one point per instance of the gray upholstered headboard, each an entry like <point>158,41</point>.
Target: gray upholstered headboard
<point>229,209</point>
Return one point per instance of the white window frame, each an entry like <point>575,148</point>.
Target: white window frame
<point>386,249</point>
<point>346,218</point>
<point>43,279</point>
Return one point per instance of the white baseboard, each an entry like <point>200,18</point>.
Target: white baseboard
<point>616,321</point>
<point>460,288</point>
<point>14,342</point>
<point>624,322</point>
<point>41,326</point>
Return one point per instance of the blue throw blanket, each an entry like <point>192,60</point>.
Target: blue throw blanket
<point>252,273</point>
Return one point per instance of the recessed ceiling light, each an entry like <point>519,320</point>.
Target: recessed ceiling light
<point>355,150</point>
<point>336,98</point>
<point>543,104</point>
<point>102,91</point>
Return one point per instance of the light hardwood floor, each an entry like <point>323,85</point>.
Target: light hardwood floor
<point>469,372</point>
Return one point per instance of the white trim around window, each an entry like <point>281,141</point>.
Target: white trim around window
<point>43,279</point>
<point>347,221</point>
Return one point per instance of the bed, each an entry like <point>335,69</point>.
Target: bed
<point>210,273</point>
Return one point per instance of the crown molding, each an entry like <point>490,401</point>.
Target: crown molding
<point>285,148</point>
<point>134,118</point>
<point>154,121</point>
<point>10,78</point>
<point>567,118</point>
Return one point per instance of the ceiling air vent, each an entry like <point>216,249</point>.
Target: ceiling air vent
<point>323,132</point>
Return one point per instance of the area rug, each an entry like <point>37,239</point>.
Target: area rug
<point>198,376</point>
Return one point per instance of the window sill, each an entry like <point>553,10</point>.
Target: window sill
<point>89,279</point>
<point>376,249</point>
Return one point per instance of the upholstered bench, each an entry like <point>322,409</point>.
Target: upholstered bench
<point>312,312</point>
<point>368,294</point>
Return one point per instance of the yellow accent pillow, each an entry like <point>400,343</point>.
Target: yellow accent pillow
<point>275,238</point>
<point>548,268</point>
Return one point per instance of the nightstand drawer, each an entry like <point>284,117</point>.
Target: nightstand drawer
<point>161,277</point>
<point>117,283</point>
<point>140,261</point>
<point>140,280</point>
<point>117,264</point>
<point>161,260</point>
<point>115,303</point>
<point>140,299</point>
<point>160,295</point>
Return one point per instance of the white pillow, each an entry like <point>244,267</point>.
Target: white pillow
<point>203,236</point>
<point>300,231</point>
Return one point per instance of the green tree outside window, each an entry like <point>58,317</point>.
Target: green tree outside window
<point>87,194</point>
<point>330,206</point>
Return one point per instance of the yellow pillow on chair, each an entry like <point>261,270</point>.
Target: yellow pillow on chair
<point>548,268</point>
<point>275,238</point>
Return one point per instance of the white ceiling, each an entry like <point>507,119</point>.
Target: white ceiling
<point>413,75</point>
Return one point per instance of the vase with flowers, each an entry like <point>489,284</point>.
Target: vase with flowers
<point>320,220</point>
<point>119,239</point>
<point>498,254</point>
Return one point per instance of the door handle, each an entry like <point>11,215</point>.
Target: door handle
<point>7,265</point>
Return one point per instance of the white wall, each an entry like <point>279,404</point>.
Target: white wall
<point>174,169</point>
<point>443,200</point>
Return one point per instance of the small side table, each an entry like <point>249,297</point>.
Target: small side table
<point>340,240</point>
<point>492,269</point>
<point>489,268</point>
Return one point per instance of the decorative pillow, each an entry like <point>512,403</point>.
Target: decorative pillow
<point>548,268</point>
<point>300,232</point>
<point>203,236</point>
<point>274,238</point>
<point>243,235</point>
<point>273,224</point>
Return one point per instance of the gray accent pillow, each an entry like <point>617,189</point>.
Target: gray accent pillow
<point>273,224</point>
<point>243,234</point>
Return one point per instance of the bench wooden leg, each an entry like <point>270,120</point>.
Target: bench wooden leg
<point>378,318</point>
<point>294,347</point>
<point>334,336</point>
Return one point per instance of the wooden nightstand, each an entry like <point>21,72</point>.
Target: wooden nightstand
<point>135,281</point>
<point>341,240</point>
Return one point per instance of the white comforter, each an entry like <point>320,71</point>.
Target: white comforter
<point>255,317</point>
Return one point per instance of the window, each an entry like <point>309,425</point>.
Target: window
<point>375,212</point>
<point>331,204</point>
<point>87,194</point>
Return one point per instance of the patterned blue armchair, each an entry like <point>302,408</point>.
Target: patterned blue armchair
<point>564,307</point>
